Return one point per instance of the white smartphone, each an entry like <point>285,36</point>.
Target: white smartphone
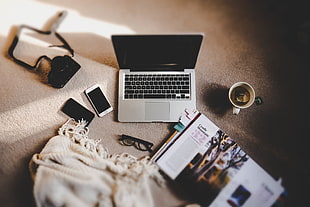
<point>98,100</point>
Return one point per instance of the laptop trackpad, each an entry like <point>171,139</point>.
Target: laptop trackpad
<point>157,111</point>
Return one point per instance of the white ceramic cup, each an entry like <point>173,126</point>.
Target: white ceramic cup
<point>241,95</point>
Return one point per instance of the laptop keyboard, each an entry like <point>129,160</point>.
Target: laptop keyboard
<point>157,86</point>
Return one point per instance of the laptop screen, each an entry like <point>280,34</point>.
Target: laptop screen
<point>157,52</point>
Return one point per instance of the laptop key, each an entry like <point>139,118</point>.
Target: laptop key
<point>184,91</point>
<point>154,96</point>
<point>129,91</point>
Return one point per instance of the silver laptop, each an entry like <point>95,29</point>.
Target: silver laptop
<point>157,76</point>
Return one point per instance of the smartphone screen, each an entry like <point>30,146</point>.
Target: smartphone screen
<point>75,110</point>
<point>98,100</point>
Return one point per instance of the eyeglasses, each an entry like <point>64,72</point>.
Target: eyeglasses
<point>137,143</point>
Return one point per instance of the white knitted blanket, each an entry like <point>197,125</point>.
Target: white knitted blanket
<point>73,170</point>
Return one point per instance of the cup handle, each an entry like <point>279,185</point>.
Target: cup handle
<point>258,100</point>
<point>236,110</point>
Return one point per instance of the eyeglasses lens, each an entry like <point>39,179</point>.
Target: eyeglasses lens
<point>128,142</point>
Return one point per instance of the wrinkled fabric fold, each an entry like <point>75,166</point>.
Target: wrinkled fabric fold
<point>73,170</point>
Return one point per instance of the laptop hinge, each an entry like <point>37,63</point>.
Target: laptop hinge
<point>157,69</point>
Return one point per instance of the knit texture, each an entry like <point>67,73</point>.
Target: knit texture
<point>73,170</point>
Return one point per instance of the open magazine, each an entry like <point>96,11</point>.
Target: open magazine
<point>213,166</point>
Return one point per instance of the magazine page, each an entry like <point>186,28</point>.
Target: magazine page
<point>252,186</point>
<point>215,170</point>
<point>213,167</point>
<point>186,146</point>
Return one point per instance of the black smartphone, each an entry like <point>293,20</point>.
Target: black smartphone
<point>76,111</point>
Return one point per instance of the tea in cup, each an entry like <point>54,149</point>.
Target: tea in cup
<point>241,95</point>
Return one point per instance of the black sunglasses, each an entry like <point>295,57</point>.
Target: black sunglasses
<point>137,143</point>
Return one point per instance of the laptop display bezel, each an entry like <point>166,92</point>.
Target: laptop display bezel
<point>132,51</point>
